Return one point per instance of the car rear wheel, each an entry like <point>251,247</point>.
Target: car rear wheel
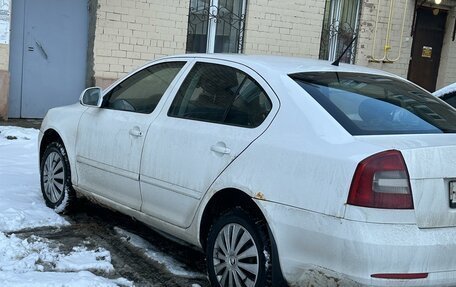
<point>238,251</point>
<point>55,178</point>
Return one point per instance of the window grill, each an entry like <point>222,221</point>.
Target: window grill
<point>216,26</point>
<point>340,26</point>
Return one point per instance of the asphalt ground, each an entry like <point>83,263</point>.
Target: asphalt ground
<point>24,123</point>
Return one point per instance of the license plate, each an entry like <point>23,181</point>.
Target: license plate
<point>453,194</point>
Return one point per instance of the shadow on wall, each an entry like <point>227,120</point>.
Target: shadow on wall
<point>4,87</point>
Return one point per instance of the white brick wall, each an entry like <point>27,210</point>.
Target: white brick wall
<point>131,32</point>
<point>286,27</point>
<point>447,70</point>
<point>367,30</point>
<point>4,57</point>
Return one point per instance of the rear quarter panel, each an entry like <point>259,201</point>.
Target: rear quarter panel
<point>304,159</point>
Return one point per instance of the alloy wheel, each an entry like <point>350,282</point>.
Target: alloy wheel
<point>53,177</point>
<point>235,257</point>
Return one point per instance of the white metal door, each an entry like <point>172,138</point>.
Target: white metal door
<point>55,54</point>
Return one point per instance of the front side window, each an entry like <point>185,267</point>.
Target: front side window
<point>366,104</point>
<point>142,91</point>
<point>340,26</point>
<point>221,94</point>
<point>216,26</point>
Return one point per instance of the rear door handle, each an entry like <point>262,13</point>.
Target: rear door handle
<point>221,148</point>
<point>136,132</point>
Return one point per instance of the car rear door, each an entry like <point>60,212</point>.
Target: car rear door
<point>219,109</point>
<point>110,139</point>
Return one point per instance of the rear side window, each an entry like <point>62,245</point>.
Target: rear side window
<point>366,104</point>
<point>221,94</point>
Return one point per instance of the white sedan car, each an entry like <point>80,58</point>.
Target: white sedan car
<point>284,171</point>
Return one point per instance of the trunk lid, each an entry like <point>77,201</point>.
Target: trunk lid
<point>431,163</point>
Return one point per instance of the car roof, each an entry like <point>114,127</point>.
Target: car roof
<point>285,65</point>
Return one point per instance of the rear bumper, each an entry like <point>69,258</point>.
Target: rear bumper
<point>318,249</point>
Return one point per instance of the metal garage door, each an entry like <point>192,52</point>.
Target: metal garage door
<point>52,69</point>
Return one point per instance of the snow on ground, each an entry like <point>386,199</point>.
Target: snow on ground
<point>445,90</point>
<point>153,253</point>
<point>52,279</point>
<point>35,261</point>
<point>21,204</point>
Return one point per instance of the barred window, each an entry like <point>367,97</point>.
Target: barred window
<point>340,26</point>
<point>216,26</point>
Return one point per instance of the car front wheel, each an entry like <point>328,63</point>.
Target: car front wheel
<point>238,251</point>
<point>55,178</point>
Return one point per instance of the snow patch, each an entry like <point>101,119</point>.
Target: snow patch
<point>445,90</point>
<point>17,133</point>
<point>21,255</point>
<point>82,259</point>
<point>22,205</point>
<point>34,258</point>
<point>36,254</point>
<point>267,257</point>
<point>53,279</point>
<point>35,261</point>
<point>172,265</point>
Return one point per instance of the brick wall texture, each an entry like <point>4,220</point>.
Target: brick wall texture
<point>370,29</point>
<point>4,81</point>
<point>129,33</point>
<point>286,27</point>
<point>4,56</point>
<point>447,71</point>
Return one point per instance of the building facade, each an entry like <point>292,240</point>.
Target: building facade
<point>410,38</point>
<point>4,55</point>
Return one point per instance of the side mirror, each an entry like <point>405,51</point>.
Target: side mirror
<point>91,97</point>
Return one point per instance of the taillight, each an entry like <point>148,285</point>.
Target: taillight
<point>382,181</point>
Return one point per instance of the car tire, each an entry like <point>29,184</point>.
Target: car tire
<point>245,260</point>
<point>55,177</point>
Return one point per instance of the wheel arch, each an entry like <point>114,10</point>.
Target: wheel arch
<point>229,198</point>
<point>50,135</point>
<point>222,201</point>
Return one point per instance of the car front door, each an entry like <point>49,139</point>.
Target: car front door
<point>110,139</point>
<point>218,110</point>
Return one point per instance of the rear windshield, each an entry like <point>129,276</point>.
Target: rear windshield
<point>366,104</point>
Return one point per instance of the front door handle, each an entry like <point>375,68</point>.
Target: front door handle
<point>221,148</point>
<point>136,132</point>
